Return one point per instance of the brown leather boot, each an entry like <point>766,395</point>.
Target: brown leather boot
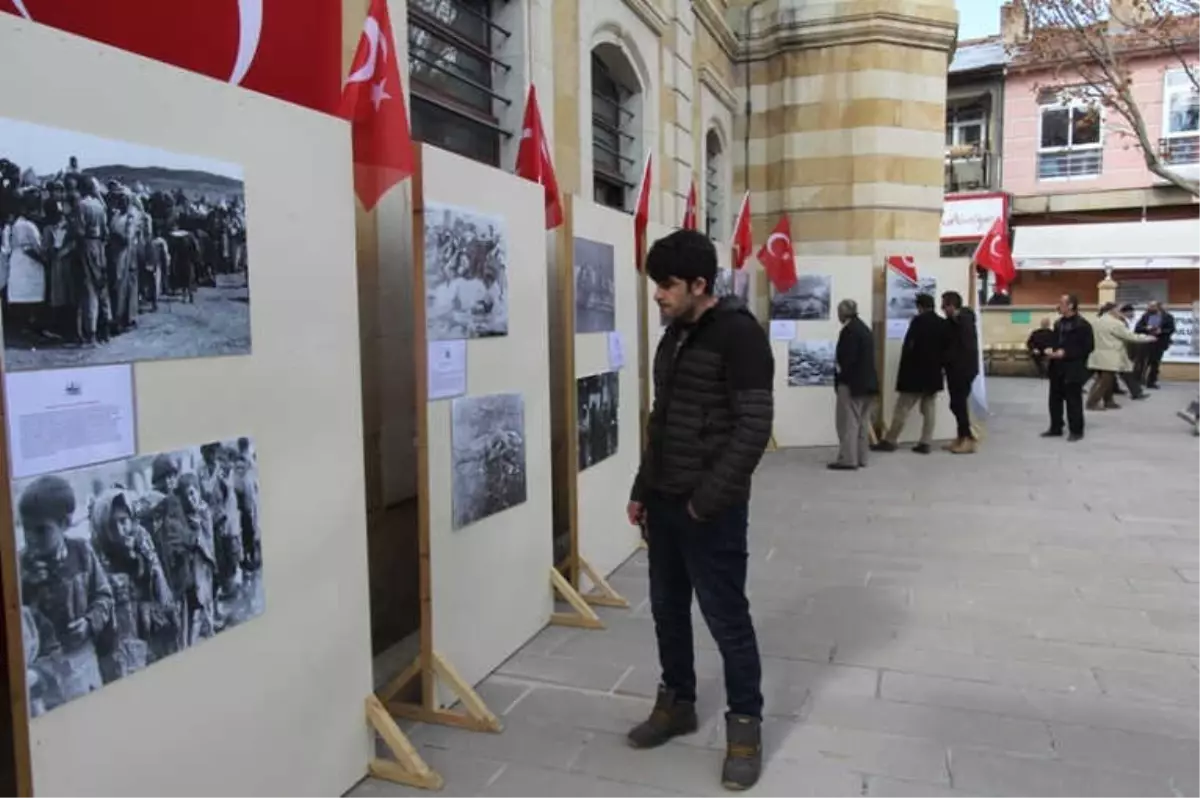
<point>949,447</point>
<point>669,718</point>
<point>965,446</point>
<point>743,752</point>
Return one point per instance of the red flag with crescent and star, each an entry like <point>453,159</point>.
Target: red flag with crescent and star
<point>743,238</point>
<point>641,215</point>
<point>689,211</point>
<point>994,254</point>
<point>373,101</point>
<point>534,162</point>
<point>289,49</point>
<point>778,258</point>
<point>903,265</point>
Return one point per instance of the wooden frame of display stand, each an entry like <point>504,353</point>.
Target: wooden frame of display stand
<point>18,757</point>
<point>576,567</point>
<point>430,667</point>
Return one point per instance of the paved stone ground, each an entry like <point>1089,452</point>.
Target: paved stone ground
<point>1020,622</point>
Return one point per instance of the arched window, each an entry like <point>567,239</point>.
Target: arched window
<point>714,188</point>
<point>614,131</point>
<point>452,63</point>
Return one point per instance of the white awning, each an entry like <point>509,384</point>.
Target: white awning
<point>1171,244</point>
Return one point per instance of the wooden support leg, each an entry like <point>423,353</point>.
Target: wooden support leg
<point>476,715</point>
<point>602,593</point>
<point>584,616</point>
<point>408,768</point>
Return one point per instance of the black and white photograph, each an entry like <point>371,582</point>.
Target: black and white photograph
<point>466,274</point>
<point>488,447</point>
<point>114,252</point>
<point>733,283</point>
<point>599,397</point>
<point>902,294</point>
<point>595,288</point>
<point>811,363</point>
<point>807,300</point>
<point>125,563</point>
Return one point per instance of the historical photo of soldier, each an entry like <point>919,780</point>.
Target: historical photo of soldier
<point>598,397</point>
<point>128,562</point>
<point>807,300</point>
<point>116,252</point>
<point>488,447</point>
<point>595,288</point>
<point>466,274</point>
<point>811,363</point>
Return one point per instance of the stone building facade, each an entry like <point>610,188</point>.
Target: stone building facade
<point>831,111</point>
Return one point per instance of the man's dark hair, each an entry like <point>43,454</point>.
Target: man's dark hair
<point>925,301</point>
<point>686,255</point>
<point>953,298</point>
<point>1072,301</point>
<point>1127,308</point>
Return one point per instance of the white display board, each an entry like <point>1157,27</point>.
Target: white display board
<point>804,416</point>
<point>274,706</point>
<point>606,538</point>
<point>490,578</point>
<point>949,274</point>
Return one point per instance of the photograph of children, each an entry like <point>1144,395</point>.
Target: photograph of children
<point>125,563</point>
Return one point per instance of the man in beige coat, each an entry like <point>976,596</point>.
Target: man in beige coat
<point>1110,356</point>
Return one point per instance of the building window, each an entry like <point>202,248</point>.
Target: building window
<point>451,67</point>
<point>714,194</point>
<point>613,136</point>
<point>1070,139</point>
<point>1181,119</point>
<point>965,128</point>
<point>967,156</point>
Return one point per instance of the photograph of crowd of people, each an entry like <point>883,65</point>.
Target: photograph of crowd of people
<point>466,274</point>
<point>731,283</point>
<point>598,397</point>
<point>807,300</point>
<point>125,563</point>
<point>488,452</point>
<point>112,252</point>
<point>902,295</point>
<point>811,363</point>
<point>595,289</point>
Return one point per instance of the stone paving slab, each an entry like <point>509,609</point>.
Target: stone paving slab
<point>1025,621</point>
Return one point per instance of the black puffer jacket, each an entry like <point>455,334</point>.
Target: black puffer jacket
<point>713,410</point>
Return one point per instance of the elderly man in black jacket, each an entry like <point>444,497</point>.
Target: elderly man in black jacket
<point>962,367</point>
<point>1073,342</point>
<point>711,421</point>
<point>856,383</point>
<point>920,377</point>
<point>1158,322</point>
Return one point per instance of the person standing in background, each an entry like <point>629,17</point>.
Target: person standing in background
<point>856,383</point>
<point>709,426</point>
<point>1039,341</point>
<point>920,377</point>
<point>1160,324</point>
<point>962,367</point>
<point>1068,369</point>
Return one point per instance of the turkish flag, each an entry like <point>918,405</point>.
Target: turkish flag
<point>689,213</point>
<point>994,254</point>
<point>373,101</point>
<point>903,265</point>
<point>641,215</point>
<point>743,239</point>
<point>778,258</point>
<point>533,159</point>
<point>290,49</point>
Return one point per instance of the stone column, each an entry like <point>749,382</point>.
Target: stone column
<point>1106,289</point>
<point>847,121</point>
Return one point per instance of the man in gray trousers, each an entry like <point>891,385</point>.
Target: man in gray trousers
<point>857,383</point>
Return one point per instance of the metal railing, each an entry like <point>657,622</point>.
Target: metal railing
<point>1070,163</point>
<point>969,169</point>
<point>1180,150</point>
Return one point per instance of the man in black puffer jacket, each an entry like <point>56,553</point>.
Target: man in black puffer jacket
<point>711,422</point>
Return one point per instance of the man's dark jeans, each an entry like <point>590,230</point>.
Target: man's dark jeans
<point>959,389</point>
<point>709,557</point>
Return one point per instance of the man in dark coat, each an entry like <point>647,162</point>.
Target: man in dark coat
<point>709,426</point>
<point>962,367</point>
<point>856,383</point>
<point>1039,340</point>
<point>920,377</point>
<point>1068,369</point>
<point>1158,322</point>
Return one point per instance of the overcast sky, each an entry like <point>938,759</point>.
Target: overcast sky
<point>978,18</point>
<point>47,150</point>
